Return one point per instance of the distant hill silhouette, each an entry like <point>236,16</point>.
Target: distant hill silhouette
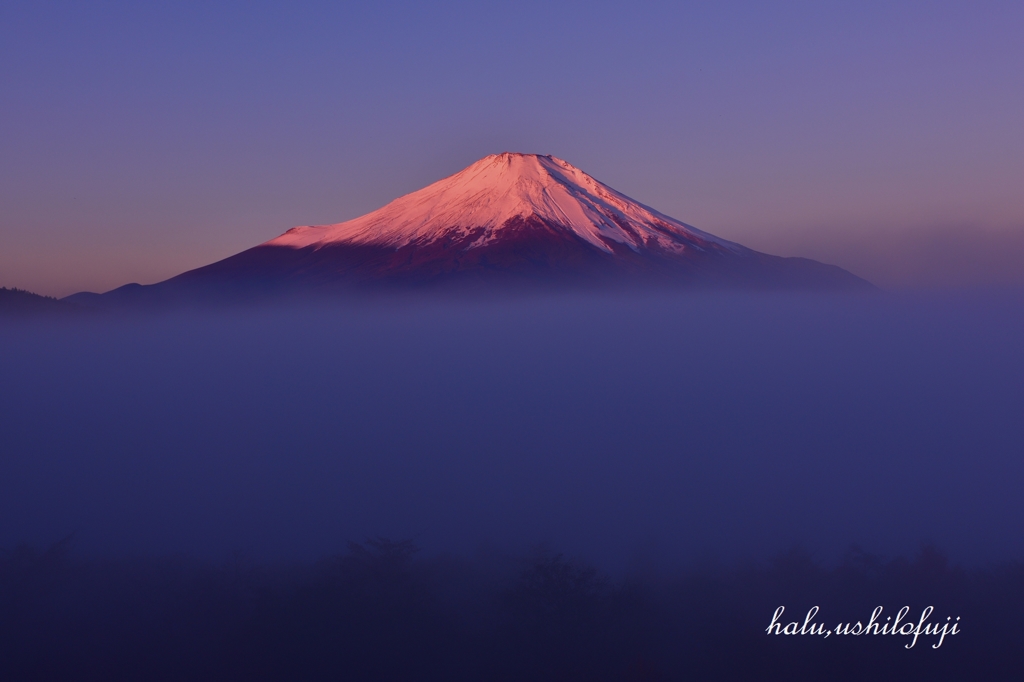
<point>19,301</point>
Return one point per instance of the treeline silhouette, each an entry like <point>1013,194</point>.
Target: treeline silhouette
<point>18,301</point>
<point>381,611</point>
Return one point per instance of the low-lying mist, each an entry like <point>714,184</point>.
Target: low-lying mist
<point>630,430</point>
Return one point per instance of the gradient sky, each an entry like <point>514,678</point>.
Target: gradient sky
<point>143,139</point>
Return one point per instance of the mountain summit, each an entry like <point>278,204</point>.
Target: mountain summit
<point>508,218</point>
<point>497,197</point>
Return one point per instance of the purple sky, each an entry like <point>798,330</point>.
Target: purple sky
<point>143,139</point>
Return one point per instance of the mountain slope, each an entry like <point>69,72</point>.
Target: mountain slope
<point>507,218</point>
<point>20,302</point>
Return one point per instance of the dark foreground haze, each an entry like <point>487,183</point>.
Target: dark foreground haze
<point>673,448</point>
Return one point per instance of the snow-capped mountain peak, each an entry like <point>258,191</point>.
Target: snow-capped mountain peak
<point>474,206</point>
<point>508,220</point>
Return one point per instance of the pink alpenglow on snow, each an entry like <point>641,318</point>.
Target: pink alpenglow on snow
<point>483,201</point>
<point>507,220</point>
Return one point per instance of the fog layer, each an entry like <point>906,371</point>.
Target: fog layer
<point>630,428</point>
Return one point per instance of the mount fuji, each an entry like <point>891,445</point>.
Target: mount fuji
<point>506,219</point>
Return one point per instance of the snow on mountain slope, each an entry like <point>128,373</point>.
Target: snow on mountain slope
<point>483,199</point>
<point>505,221</point>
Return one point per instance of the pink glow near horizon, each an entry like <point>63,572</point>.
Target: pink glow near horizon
<point>141,142</point>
